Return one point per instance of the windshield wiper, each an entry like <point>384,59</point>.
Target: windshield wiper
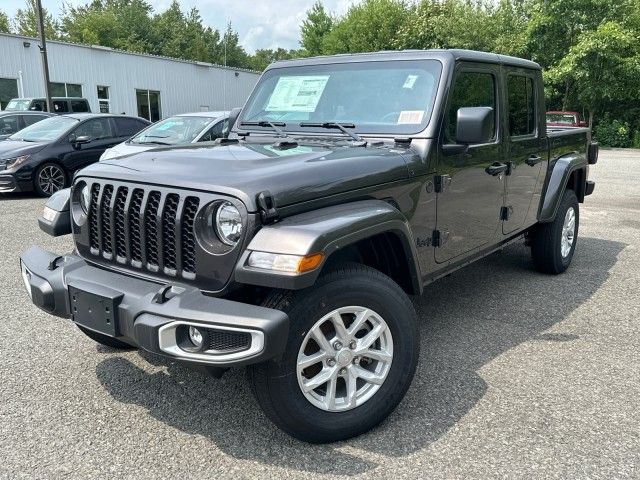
<point>153,142</point>
<point>335,125</point>
<point>275,126</point>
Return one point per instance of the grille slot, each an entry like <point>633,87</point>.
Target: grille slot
<point>94,235</point>
<point>227,341</point>
<point>188,237</point>
<point>169,230</point>
<point>146,229</point>
<point>118,213</point>
<point>105,214</point>
<point>151,227</point>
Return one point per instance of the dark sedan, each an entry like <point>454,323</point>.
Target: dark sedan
<point>43,156</point>
<point>12,122</point>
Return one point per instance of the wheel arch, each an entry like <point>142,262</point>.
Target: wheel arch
<point>371,232</point>
<point>568,172</point>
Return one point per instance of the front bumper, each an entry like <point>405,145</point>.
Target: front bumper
<point>147,314</point>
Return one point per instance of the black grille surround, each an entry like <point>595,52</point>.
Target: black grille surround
<point>152,232</point>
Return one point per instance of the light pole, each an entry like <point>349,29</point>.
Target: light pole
<point>43,50</point>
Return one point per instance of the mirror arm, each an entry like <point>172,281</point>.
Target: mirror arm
<point>454,149</point>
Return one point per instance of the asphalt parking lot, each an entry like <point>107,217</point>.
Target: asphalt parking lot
<point>521,375</point>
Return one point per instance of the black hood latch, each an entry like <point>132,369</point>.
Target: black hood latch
<point>267,205</point>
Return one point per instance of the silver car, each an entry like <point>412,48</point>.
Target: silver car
<point>177,130</point>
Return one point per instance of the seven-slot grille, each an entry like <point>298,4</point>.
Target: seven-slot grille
<point>144,228</point>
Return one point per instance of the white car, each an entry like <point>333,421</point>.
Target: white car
<point>177,130</point>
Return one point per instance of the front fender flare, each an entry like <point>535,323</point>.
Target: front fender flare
<point>557,180</point>
<point>326,230</point>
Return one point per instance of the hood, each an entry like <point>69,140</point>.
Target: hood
<point>244,170</point>
<point>123,149</point>
<point>16,148</point>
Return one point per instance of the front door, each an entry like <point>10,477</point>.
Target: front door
<point>102,135</point>
<point>469,203</point>
<point>526,152</point>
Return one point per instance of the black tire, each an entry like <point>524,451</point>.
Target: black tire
<point>275,383</point>
<point>50,170</point>
<point>105,340</point>
<point>546,240</point>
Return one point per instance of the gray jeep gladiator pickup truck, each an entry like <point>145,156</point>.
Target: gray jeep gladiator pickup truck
<point>291,247</point>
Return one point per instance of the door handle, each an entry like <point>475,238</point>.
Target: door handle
<point>496,168</point>
<point>533,160</point>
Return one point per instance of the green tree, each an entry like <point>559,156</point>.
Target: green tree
<point>26,22</point>
<point>369,26</point>
<point>262,58</point>
<point>122,24</point>
<point>4,23</point>
<point>602,67</point>
<point>315,27</point>
<point>230,52</point>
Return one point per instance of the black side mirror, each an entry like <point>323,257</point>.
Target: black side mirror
<point>233,116</point>
<point>474,125</point>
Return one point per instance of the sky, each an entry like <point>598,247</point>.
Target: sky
<point>260,23</point>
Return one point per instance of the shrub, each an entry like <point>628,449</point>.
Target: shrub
<point>635,143</point>
<point>613,133</point>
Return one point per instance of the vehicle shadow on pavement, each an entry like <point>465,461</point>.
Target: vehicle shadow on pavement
<point>467,320</point>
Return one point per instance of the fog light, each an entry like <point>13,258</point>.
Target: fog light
<point>26,278</point>
<point>195,336</point>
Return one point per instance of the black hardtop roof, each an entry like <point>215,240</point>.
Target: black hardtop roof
<point>453,54</point>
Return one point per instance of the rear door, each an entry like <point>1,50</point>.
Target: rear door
<point>468,205</point>
<point>526,149</point>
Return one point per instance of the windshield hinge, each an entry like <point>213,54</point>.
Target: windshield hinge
<point>441,182</point>
<point>436,238</point>
<point>268,211</point>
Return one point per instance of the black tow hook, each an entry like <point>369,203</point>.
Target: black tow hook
<point>53,264</point>
<point>166,293</point>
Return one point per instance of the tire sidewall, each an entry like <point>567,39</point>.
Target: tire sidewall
<point>401,322</point>
<point>568,200</point>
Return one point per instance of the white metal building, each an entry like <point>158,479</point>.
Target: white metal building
<point>120,82</point>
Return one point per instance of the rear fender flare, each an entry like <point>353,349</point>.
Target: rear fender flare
<point>556,184</point>
<point>326,231</point>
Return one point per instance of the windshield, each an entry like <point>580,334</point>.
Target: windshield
<point>387,97</point>
<point>564,118</point>
<point>18,105</point>
<point>47,130</point>
<point>172,131</point>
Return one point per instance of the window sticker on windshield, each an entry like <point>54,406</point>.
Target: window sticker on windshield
<point>297,94</point>
<point>410,81</point>
<point>410,117</point>
<point>167,126</point>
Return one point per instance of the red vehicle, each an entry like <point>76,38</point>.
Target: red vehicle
<point>565,119</point>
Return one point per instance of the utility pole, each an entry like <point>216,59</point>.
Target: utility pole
<point>43,50</point>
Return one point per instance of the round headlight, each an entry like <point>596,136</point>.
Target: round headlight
<point>85,199</point>
<point>228,223</point>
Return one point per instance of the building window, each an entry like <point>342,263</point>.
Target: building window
<point>103,99</point>
<point>65,89</point>
<point>148,104</point>
<point>8,90</point>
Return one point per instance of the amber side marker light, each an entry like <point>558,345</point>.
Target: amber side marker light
<point>278,262</point>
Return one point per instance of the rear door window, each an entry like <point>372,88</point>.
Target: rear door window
<point>522,105</point>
